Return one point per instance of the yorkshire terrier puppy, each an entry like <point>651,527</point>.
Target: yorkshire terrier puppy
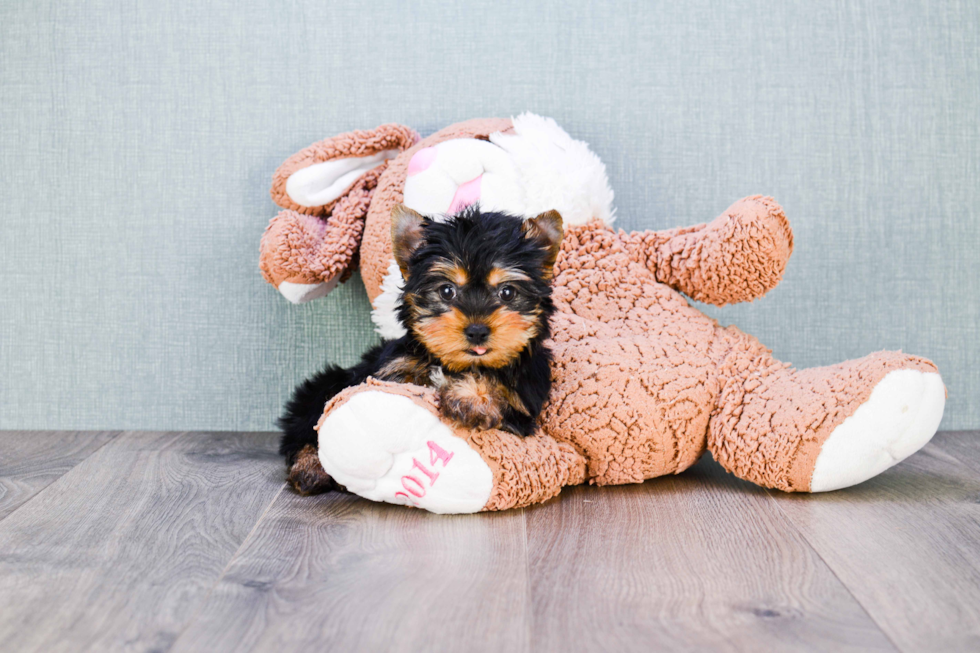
<point>475,307</point>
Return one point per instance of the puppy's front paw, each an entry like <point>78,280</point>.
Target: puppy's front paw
<point>469,408</point>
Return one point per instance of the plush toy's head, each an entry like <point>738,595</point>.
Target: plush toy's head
<point>477,289</point>
<point>523,167</point>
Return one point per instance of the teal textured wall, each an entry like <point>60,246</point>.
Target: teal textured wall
<point>137,140</point>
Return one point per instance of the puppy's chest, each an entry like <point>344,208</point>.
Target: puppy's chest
<point>480,388</point>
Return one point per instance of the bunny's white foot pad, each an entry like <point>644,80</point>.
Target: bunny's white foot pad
<point>385,447</point>
<point>899,418</point>
<point>300,293</point>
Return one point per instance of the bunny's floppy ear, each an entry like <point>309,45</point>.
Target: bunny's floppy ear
<point>315,178</point>
<point>326,190</point>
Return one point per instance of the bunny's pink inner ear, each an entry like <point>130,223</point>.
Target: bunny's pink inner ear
<point>323,183</point>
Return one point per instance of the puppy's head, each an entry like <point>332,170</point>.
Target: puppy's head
<point>478,285</point>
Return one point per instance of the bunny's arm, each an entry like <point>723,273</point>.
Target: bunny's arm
<point>737,257</point>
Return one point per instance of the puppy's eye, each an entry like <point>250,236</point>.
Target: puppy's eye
<point>447,292</point>
<point>507,293</point>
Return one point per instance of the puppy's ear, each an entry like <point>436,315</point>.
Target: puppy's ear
<point>547,230</point>
<point>406,235</point>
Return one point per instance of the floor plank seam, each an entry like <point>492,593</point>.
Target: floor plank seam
<point>227,566</point>
<point>833,571</point>
<point>529,594</point>
<point>113,438</point>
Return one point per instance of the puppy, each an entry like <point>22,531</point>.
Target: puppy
<point>475,307</point>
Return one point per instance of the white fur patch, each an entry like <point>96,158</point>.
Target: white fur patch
<point>557,171</point>
<point>384,447</point>
<point>899,418</point>
<point>385,313</point>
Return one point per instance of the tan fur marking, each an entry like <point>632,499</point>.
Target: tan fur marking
<point>452,271</point>
<point>498,276</point>
<point>514,400</point>
<point>473,401</point>
<point>510,333</point>
<point>443,337</point>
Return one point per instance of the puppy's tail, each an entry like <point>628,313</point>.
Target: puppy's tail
<point>303,410</point>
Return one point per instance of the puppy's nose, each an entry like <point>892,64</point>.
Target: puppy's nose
<point>477,334</point>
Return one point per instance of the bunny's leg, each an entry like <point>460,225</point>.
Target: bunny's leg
<point>822,428</point>
<point>386,442</point>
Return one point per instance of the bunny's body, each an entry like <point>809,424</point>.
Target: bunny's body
<point>643,383</point>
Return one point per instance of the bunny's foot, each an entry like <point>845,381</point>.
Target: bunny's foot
<point>825,428</point>
<point>899,417</point>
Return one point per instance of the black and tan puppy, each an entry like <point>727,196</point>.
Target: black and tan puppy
<point>475,308</point>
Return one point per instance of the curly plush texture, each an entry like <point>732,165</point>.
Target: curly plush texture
<point>645,382</point>
<point>310,245</point>
<point>740,256</point>
<point>302,248</point>
<point>764,400</point>
<point>635,365</point>
<point>352,144</point>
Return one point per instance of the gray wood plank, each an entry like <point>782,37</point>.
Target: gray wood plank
<point>962,445</point>
<point>119,552</point>
<point>700,561</point>
<point>32,460</point>
<point>907,544</point>
<point>339,573</point>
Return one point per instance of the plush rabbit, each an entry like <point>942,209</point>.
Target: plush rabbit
<point>643,383</point>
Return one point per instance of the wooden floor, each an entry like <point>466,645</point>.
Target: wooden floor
<point>190,542</point>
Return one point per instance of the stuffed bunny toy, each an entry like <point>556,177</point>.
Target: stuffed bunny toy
<point>643,382</point>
